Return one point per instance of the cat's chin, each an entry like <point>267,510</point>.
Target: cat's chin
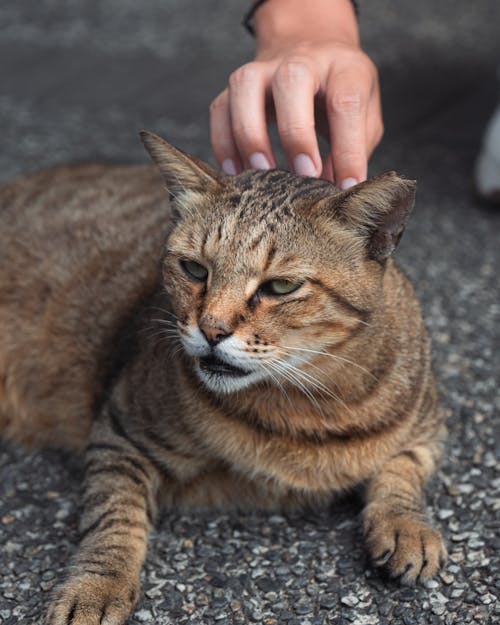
<point>226,382</point>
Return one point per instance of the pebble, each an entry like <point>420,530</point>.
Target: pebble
<point>327,601</point>
<point>431,583</point>
<point>349,600</point>
<point>302,609</point>
<point>145,616</point>
<point>445,514</point>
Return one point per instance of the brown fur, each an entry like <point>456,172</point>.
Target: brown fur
<point>91,328</point>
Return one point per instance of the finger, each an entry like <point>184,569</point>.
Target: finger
<point>347,101</point>
<point>374,124</point>
<point>221,135</point>
<point>293,87</point>
<point>247,102</point>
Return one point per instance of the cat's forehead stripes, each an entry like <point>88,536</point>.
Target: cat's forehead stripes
<point>269,196</point>
<point>254,209</point>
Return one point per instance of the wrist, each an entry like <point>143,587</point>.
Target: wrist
<point>284,23</point>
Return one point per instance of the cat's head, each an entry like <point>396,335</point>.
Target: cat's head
<point>266,270</point>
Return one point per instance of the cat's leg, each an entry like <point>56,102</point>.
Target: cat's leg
<point>119,505</point>
<point>397,533</point>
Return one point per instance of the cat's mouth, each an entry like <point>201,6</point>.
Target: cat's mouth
<point>212,364</point>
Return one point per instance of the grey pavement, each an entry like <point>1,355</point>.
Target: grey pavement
<point>78,80</point>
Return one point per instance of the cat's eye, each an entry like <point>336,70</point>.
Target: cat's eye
<point>280,287</point>
<point>195,270</point>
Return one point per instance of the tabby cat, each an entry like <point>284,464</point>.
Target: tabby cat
<point>274,357</point>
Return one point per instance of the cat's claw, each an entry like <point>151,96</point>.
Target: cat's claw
<point>88,600</point>
<point>405,546</point>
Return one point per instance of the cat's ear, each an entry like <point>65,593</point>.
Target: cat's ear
<point>183,174</point>
<point>379,209</point>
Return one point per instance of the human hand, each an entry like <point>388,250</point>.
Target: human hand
<point>328,84</point>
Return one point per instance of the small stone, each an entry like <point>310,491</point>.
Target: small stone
<point>431,584</point>
<point>349,600</point>
<point>302,609</point>
<point>8,519</point>
<point>457,557</point>
<point>272,596</point>
<point>385,608</point>
<point>407,594</point>
<point>456,593</point>
<point>286,615</point>
<point>447,579</point>
<point>445,514</point>
<point>256,616</point>
<point>144,616</point>
<point>327,601</point>
<point>201,599</point>
<point>438,609</point>
<point>282,571</point>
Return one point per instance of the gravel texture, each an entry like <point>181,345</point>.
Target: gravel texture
<point>78,80</point>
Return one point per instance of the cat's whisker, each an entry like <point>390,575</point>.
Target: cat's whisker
<point>152,332</point>
<point>330,392</point>
<point>268,369</point>
<point>332,356</point>
<point>365,323</point>
<point>166,322</point>
<point>315,383</point>
<point>164,335</point>
<point>296,382</point>
<point>165,311</point>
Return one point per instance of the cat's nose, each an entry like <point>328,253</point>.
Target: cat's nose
<point>214,330</point>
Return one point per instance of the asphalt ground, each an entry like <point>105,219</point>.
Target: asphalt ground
<point>78,80</point>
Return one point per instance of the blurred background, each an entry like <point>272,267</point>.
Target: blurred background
<point>78,80</point>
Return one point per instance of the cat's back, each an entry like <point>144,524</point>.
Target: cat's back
<point>72,209</point>
<point>79,248</point>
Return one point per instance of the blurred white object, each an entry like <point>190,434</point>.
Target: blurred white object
<point>487,174</point>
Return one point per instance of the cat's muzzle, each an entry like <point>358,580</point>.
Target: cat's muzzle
<point>213,364</point>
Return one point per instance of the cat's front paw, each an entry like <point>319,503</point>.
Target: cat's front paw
<point>403,543</point>
<point>91,599</point>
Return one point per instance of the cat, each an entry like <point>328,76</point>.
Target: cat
<point>247,341</point>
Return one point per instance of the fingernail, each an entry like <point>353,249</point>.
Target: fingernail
<point>347,183</point>
<point>258,160</point>
<point>303,165</point>
<point>229,167</point>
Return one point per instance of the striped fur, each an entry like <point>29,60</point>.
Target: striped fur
<point>215,392</point>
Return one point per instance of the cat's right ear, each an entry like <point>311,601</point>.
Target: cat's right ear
<point>184,175</point>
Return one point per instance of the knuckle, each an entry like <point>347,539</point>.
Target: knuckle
<point>291,70</point>
<point>243,131</point>
<point>245,74</point>
<point>347,101</point>
<point>295,130</point>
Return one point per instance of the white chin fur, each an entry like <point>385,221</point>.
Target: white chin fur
<point>226,384</point>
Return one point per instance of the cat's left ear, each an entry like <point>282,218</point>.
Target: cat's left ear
<point>378,208</point>
<point>182,173</point>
